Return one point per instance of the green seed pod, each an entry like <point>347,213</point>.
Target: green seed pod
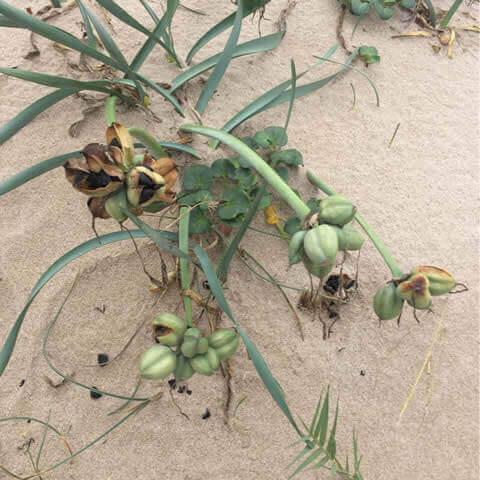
<point>387,304</point>
<point>184,370</point>
<point>225,341</point>
<point>207,363</point>
<point>157,362</point>
<point>295,247</point>
<point>407,3</point>
<point>415,291</point>
<point>359,7</point>
<point>115,206</point>
<point>169,329</point>
<point>193,343</point>
<point>440,281</point>
<point>321,244</point>
<point>336,210</point>
<point>319,271</point>
<point>353,239</point>
<point>143,186</point>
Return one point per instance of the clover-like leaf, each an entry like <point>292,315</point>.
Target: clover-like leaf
<point>223,168</point>
<point>272,137</point>
<point>245,177</point>
<point>198,177</point>
<point>369,54</point>
<point>384,10</point>
<point>283,172</point>
<point>290,156</point>
<point>292,225</point>
<point>234,222</point>
<point>198,222</point>
<point>250,142</point>
<point>264,202</point>
<point>234,202</point>
<point>194,198</point>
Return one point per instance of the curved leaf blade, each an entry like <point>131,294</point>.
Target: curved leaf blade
<point>35,171</point>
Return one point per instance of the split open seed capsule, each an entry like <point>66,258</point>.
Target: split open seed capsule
<point>169,329</point>
<point>415,291</point>
<point>440,281</point>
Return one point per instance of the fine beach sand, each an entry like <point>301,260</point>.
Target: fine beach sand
<point>420,195</point>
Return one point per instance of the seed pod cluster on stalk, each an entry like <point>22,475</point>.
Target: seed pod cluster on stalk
<point>116,179</point>
<point>384,8</point>
<point>328,231</point>
<point>416,288</point>
<point>194,353</point>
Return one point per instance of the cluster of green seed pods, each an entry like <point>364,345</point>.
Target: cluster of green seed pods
<point>384,8</point>
<point>330,232</point>
<point>417,289</point>
<point>194,353</point>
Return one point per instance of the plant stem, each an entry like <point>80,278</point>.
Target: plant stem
<point>184,263</point>
<point>149,141</point>
<point>392,265</point>
<point>110,115</point>
<point>256,162</point>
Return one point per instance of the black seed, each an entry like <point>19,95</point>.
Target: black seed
<point>98,180</point>
<point>349,284</point>
<point>145,180</point>
<point>79,177</point>
<point>146,195</point>
<point>102,359</point>
<point>332,284</point>
<point>206,414</point>
<point>181,389</point>
<point>22,382</point>
<point>363,373</point>
<point>115,143</point>
<point>29,420</point>
<point>95,395</point>
<point>206,285</point>
<point>189,392</point>
<point>172,383</point>
<point>332,314</point>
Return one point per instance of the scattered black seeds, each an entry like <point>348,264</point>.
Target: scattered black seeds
<point>102,359</point>
<point>22,382</point>
<point>29,420</point>
<point>98,180</point>
<point>181,389</point>
<point>189,392</point>
<point>206,285</point>
<point>95,395</point>
<point>363,373</point>
<point>206,414</point>
<point>172,383</point>
<point>332,284</point>
<point>115,143</point>
<point>147,194</point>
<point>332,314</point>
<point>349,284</point>
<point>145,180</point>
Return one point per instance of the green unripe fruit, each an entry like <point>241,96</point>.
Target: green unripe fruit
<point>193,343</point>
<point>319,271</point>
<point>169,329</point>
<point>353,239</point>
<point>115,206</point>
<point>407,3</point>
<point>184,370</point>
<point>415,291</point>
<point>386,303</point>
<point>336,210</point>
<point>207,363</point>
<point>295,247</point>
<point>440,281</point>
<point>321,244</point>
<point>225,341</point>
<point>157,362</point>
<point>384,11</point>
<point>359,7</point>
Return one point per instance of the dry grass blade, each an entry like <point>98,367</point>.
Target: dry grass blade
<point>420,33</point>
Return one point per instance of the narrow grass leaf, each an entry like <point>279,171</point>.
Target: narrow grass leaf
<point>220,27</point>
<point>158,236</point>
<point>293,94</point>
<point>262,369</point>
<point>226,259</point>
<point>265,99</point>
<point>35,171</point>
<point>150,11</point>
<point>221,67</point>
<point>10,128</point>
<point>315,417</point>
<point>162,92</point>
<point>42,443</point>
<point>91,40</point>
<point>63,261</point>
<point>262,44</point>
<point>431,13</point>
<point>450,13</point>
<point>320,433</point>
<point>320,464</point>
<point>316,453</point>
<point>301,454</point>
<point>332,444</point>
<point>24,20</point>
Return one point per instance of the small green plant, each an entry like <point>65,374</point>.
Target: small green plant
<point>384,8</point>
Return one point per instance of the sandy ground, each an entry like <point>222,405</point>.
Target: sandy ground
<point>421,196</point>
